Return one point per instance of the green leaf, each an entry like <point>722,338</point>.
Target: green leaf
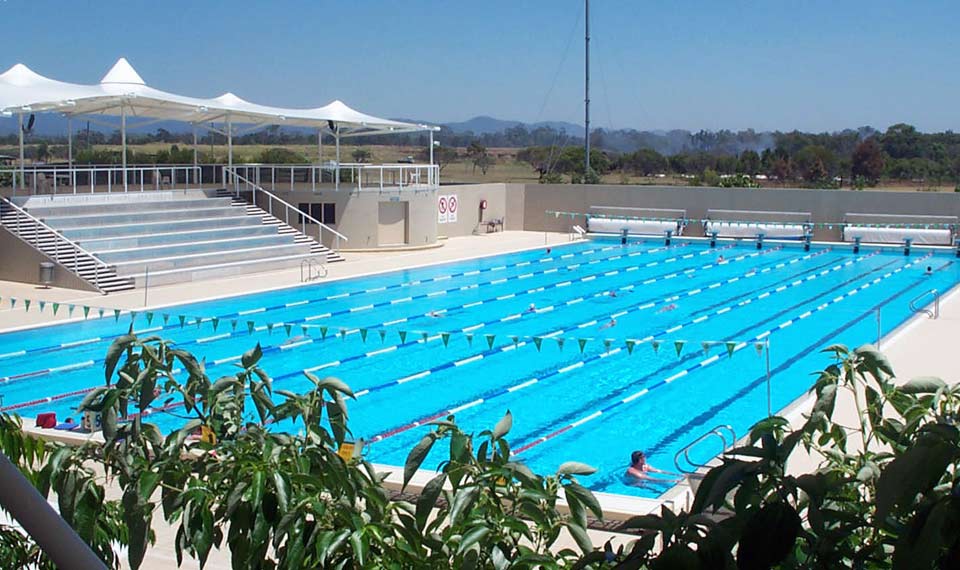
<point>503,426</point>
<point>462,500</point>
<point>677,557</point>
<point>575,468</point>
<point>719,481</point>
<point>923,540</point>
<point>586,497</point>
<point>116,350</point>
<point>251,357</point>
<point>428,499</point>
<point>472,536</point>
<point>916,470</point>
<point>580,536</point>
<point>416,456</point>
<point>922,385</point>
<point>768,537</point>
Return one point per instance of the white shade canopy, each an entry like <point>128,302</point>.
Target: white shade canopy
<point>123,92</point>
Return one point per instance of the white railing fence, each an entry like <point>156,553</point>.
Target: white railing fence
<point>350,176</point>
<point>64,179</point>
<point>281,209</point>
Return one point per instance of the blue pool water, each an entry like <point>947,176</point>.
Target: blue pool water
<point>595,405</point>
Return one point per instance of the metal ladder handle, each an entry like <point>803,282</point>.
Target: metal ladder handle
<point>720,431</point>
<point>933,314</point>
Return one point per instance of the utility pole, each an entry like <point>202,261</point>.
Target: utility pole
<point>586,93</point>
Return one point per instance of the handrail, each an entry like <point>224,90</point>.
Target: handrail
<point>309,264</point>
<point>56,252</point>
<point>237,179</point>
<point>28,178</point>
<point>720,431</point>
<point>935,313</point>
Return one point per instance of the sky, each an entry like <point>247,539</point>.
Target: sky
<point>812,65</point>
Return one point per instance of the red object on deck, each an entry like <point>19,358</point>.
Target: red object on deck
<point>47,420</point>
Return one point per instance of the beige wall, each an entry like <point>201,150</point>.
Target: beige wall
<point>469,216</point>
<point>21,262</point>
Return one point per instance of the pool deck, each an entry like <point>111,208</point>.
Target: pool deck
<point>921,347</point>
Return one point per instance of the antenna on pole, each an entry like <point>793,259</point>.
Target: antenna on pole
<point>586,92</point>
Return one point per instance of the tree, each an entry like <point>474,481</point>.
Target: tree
<point>539,158</point>
<point>782,169</point>
<point>749,162</point>
<point>868,161</point>
<point>361,155</point>
<point>645,162</point>
<point>442,155</point>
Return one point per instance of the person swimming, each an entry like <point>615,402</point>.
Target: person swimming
<point>609,325</point>
<point>612,293</point>
<point>929,271</point>
<point>435,314</point>
<point>641,471</point>
<point>720,259</point>
<point>670,307</point>
<point>531,309</point>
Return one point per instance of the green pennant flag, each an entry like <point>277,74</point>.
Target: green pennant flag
<point>287,328</point>
<point>26,305</point>
<point>198,321</point>
<point>383,335</point>
<point>56,307</point>
<point>537,341</point>
<point>758,346</point>
<point>13,302</point>
<point>216,321</point>
<point>116,315</point>
<point>445,337</point>
<point>678,345</point>
<point>304,331</point>
<point>515,339</point>
<point>424,335</point>
<point>606,343</point>
<point>250,326</point>
<point>100,312</point>
<point>582,342</point>
<point>343,333</point>
<point>70,309</point>
<point>269,328</point>
<point>560,341</point>
<point>705,345</point>
<point>165,317</point>
<point>42,304</point>
<point>323,333</point>
<point>133,317</point>
<point>149,318</point>
<point>630,344</point>
<point>469,337</point>
<point>183,320</point>
<point>233,324</point>
<point>731,346</point>
<point>363,335</point>
<point>86,311</point>
<point>403,336</point>
<point>490,338</point>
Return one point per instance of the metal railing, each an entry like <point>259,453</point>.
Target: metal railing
<point>301,218</point>
<point>37,225</point>
<point>350,176</point>
<point>720,431</point>
<point>311,270</point>
<point>65,179</point>
<point>933,313</point>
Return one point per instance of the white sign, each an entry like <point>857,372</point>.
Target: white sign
<point>452,208</point>
<point>441,209</point>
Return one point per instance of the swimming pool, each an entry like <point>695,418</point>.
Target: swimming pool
<point>611,358</point>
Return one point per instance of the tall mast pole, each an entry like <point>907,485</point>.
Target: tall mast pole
<point>586,93</point>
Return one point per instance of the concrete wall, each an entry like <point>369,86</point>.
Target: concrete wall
<point>824,205</point>
<point>20,262</point>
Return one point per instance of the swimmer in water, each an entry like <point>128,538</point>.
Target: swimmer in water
<point>612,294</point>
<point>641,471</point>
<point>669,307</point>
<point>609,325</point>
<point>548,251</point>
<point>720,259</point>
<point>531,309</point>
<point>929,271</point>
<point>435,315</point>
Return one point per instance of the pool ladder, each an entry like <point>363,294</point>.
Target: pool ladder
<point>933,313</point>
<point>311,270</point>
<point>723,432</point>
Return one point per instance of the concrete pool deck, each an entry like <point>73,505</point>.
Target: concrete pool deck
<point>921,347</point>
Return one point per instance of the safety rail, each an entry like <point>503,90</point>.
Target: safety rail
<point>352,176</point>
<point>242,184</point>
<point>17,227</point>
<point>935,312</point>
<point>720,431</point>
<point>64,179</point>
<point>311,270</point>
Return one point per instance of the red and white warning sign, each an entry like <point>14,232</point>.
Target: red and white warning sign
<point>452,208</point>
<point>442,209</point>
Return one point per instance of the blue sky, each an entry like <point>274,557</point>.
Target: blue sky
<point>766,64</point>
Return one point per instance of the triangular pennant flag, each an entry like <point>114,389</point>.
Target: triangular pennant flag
<point>537,341</point>
<point>514,339</point>
<point>100,312</point>
<point>149,318</point>
<point>250,326</point>
<point>582,342</point>
<point>606,343</point>
<point>42,304</point>
<point>304,331</point>
<point>86,311</point>
<point>216,321</point>
<point>13,302</point>
<point>233,324</point>
<point>116,315</point>
<point>363,335</point>
<point>445,337</point>
<point>403,336</point>
<point>26,305</point>
<point>560,342</point>
<point>383,335</point>
<point>269,328</point>
<point>678,345</point>
<point>705,345</point>
<point>166,318</point>
<point>183,320</point>
<point>343,333</point>
<point>56,307</point>
<point>731,346</point>
<point>198,321</point>
<point>287,328</point>
<point>70,309</point>
<point>424,335</point>
<point>323,333</point>
<point>490,338</point>
<point>759,348</point>
<point>469,337</point>
<point>630,345</point>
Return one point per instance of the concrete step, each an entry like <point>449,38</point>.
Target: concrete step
<point>55,209</point>
<point>109,243</point>
<point>146,227</point>
<point>248,268</point>
<point>140,216</point>
<point>126,268</point>
<point>224,246</point>
<point>110,198</point>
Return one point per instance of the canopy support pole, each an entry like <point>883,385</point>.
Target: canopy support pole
<point>197,180</point>
<point>229,145</point>
<point>123,142</point>
<point>70,142</point>
<point>431,147</point>
<point>23,178</point>
<point>336,137</point>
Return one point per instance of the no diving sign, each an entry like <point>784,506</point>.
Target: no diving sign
<point>447,206</point>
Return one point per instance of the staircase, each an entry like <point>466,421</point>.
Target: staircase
<point>133,239</point>
<point>60,249</point>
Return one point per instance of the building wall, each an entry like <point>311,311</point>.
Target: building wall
<point>20,262</point>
